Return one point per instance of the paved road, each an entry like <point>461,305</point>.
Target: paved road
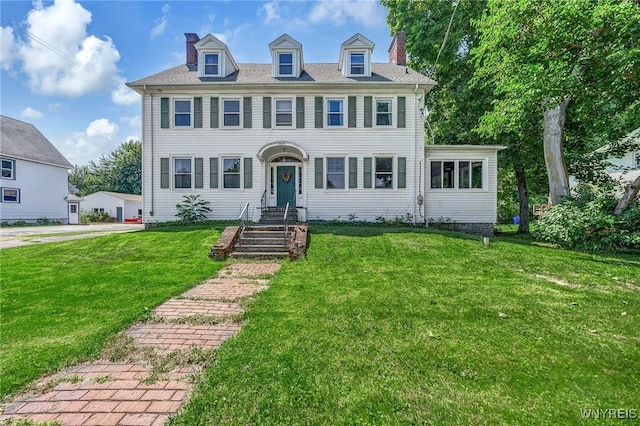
<point>22,236</point>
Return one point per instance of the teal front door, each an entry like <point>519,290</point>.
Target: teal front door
<point>286,178</point>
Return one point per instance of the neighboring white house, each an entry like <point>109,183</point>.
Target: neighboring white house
<point>116,205</point>
<point>335,140</point>
<point>34,182</point>
<point>626,168</point>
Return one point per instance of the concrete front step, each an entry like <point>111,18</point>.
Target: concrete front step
<point>261,240</point>
<point>251,248</point>
<point>260,255</point>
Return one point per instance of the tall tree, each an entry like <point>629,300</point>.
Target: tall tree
<point>573,64</point>
<point>119,171</point>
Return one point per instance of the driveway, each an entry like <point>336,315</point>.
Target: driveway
<point>27,235</point>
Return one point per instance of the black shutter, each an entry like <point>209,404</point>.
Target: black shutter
<point>266,112</point>
<point>366,172</point>
<point>164,173</point>
<point>319,173</point>
<point>319,102</point>
<point>247,104</point>
<point>197,113</point>
<point>248,172</point>
<point>402,112</point>
<point>353,172</point>
<point>214,114</point>
<point>213,172</point>
<point>352,111</point>
<point>402,172</point>
<point>165,121</point>
<point>198,173</point>
<point>300,112</point>
<point>368,111</point>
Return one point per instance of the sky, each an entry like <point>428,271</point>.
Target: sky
<point>64,63</point>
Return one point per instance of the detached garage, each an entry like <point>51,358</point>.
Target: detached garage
<point>122,207</point>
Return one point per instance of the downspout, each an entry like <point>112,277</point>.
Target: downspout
<point>416,207</point>
<point>151,212</point>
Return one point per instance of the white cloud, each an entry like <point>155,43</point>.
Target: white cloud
<point>270,10</point>
<point>55,106</point>
<point>132,121</point>
<point>160,23</point>
<point>102,127</point>
<point>30,113</point>
<point>122,95</point>
<point>8,52</point>
<point>338,12</point>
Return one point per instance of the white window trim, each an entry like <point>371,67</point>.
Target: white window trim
<point>241,113</point>
<point>201,69</point>
<point>394,114</point>
<point>173,172</point>
<point>394,172</point>
<point>345,158</point>
<point>173,113</point>
<point>456,175</point>
<point>221,172</point>
<point>345,117</point>
<point>11,189</point>
<point>367,62</point>
<point>294,63</point>
<point>13,169</point>
<point>293,112</point>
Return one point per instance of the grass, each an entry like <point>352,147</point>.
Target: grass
<point>61,301</point>
<point>384,326</point>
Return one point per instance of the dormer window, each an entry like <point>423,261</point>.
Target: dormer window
<point>285,64</point>
<point>357,63</point>
<point>211,64</point>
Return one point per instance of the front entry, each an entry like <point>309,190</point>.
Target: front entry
<point>74,213</point>
<point>286,187</point>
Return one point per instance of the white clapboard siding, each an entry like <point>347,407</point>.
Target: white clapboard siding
<point>43,189</point>
<point>463,205</point>
<point>360,142</point>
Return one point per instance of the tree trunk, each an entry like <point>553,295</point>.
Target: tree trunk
<point>523,198</point>
<point>554,154</point>
<point>630,193</point>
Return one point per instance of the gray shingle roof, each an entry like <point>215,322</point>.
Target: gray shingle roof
<point>327,73</point>
<point>23,141</point>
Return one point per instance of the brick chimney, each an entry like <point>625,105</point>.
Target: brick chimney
<point>192,53</point>
<point>397,54</point>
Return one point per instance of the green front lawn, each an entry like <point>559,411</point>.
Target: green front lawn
<point>376,326</point>
<point>383,326</point>
<point>60,301</point>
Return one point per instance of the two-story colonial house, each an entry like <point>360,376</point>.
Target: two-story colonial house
<point>336,140</point>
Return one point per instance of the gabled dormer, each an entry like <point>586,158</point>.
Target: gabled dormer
<point>286,57</point>
<point>355,56</point>
<point>214,58</point>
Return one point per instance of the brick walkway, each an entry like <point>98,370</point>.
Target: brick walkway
<point>157,376</point>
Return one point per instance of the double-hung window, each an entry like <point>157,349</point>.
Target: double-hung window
<point>231,173</point>
<point>211,64</point>
<point>231,112</point>
<point>285,64</point>
<point>182,112</point>
<point>335,113</point>
<point>469,174</point>
<point>384,173</point>
<point>335,173</point>
<point>284,113</point>
<point>8,169</point>
<point>182,173</point>
<point>10,195</point>
<point>356,63</point>
<point>383,112</point>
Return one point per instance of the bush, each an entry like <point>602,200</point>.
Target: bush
<point>586,222</point>
<point>89,217</point>
<point>192,209</point>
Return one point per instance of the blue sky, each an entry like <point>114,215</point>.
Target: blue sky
<point>64,63</point>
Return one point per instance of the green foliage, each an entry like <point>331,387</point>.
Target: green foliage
<point>120,171</point>
<point>586,222</point>
<point>92,217</point>
<point>192,209</point>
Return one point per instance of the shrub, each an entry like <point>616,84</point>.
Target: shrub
<point>192,209</point>
<point>88,217</point>
<point>586,222</point>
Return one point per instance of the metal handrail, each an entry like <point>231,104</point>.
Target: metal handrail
<point>244,217</point>
<point>286,223</point>
<point>263,201</point>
